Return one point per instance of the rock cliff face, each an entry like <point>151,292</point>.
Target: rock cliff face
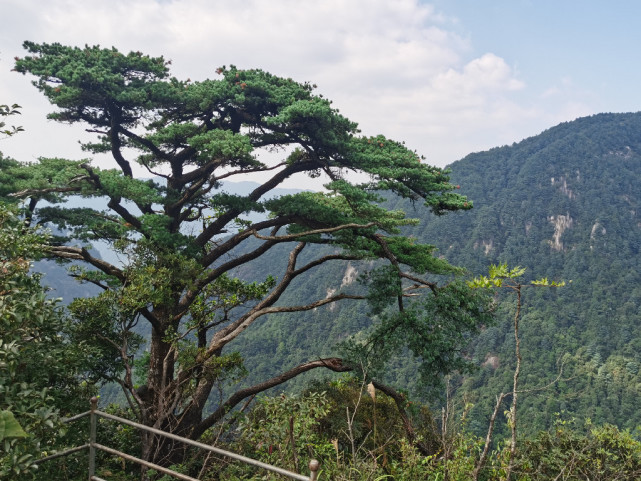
<point>562,184</point>
<point>350,276</point>
<point>560,223</point>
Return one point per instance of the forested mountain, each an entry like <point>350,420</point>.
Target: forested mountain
<point>565,204</point>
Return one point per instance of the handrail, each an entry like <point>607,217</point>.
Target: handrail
<point>157,467</point>
<point>94,413</point>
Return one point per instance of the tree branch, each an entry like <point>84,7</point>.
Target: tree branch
<point>91,281</point>
<point>82,254</point>
<point>334,364</point>
<point>488,438</point>
<point>190,295</point>
<point>250,171</point>
<point>142,141</point>
<point>400,401</point>
<point>215,227</point>
<point>329,230</point>
<point>114,203</point>
<point>116,145</point>
<point>231,243</point>
<point>423,282</point>
<point>264,307</point>
<point>235,329</point>
<point>380,240</point>
<point>30,192</point>
<point>235,240</point>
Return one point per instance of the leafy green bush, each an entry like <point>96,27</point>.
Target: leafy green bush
<point>38,366</point>
<point>595,453</point>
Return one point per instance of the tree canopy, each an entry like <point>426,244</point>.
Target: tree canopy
<point>180,236</point>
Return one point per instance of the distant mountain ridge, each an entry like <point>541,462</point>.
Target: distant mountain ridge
<point>563,186</point>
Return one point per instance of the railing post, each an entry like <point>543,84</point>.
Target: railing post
<point>92,437</point>
<point>313,467</point>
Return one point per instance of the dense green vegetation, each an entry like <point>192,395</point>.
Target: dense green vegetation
<point>222,296</point>
<point>359,434</point>
<point>183,242</point>
<point>42,375</point>
<point>564,204</point>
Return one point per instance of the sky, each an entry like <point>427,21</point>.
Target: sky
<point>448,77</point>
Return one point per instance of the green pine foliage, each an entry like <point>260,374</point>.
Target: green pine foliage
<point>187,249</point>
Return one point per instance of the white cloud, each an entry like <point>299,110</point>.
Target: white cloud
<point>487,73</point>
<point>397,67</point>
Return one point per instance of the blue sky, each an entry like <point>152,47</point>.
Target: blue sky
<point>449,77</point>
<point>590,45</point>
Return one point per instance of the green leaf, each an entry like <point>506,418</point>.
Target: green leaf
<point>9,427</point>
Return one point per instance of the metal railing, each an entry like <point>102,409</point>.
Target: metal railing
<point>93,446</point>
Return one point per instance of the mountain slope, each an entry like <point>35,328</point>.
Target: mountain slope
<point>566,204</point>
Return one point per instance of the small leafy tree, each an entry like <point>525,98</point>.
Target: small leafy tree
<point>7,165</point>
<point>39,375</point>
<point>181,237</point>
<point>501,276</point>
<point>282,430</point>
